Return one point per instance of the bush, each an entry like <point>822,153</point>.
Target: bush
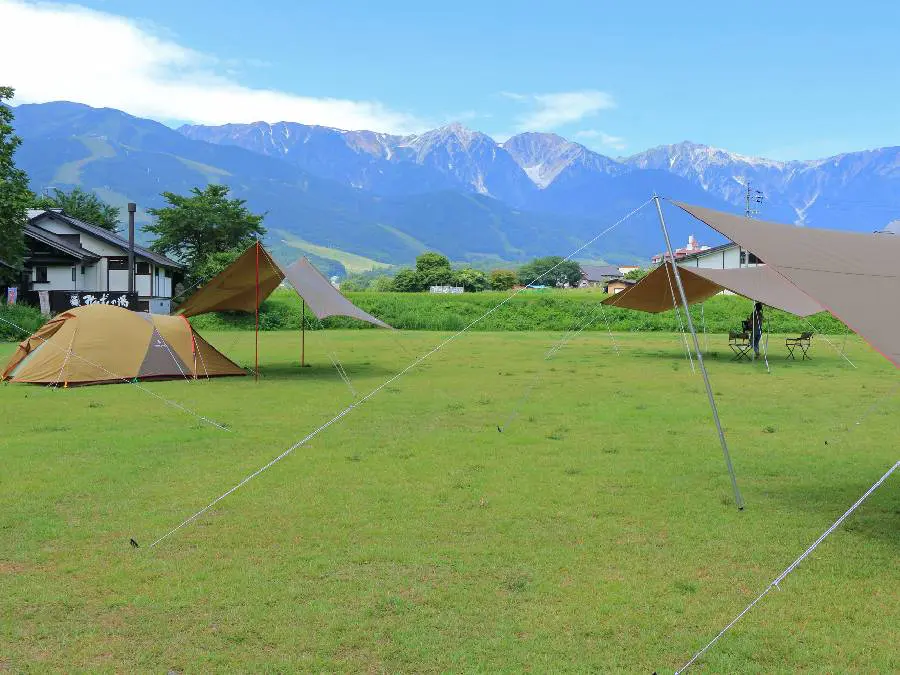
<point>503,280</point>
<point>25,316</point>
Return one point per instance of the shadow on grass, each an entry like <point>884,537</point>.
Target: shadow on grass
<point>320,371</point>
<point>876,518</point>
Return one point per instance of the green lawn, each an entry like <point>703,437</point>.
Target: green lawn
<point>596,533</point>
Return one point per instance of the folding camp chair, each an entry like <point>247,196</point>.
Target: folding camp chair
<point>740,344</point>
<point>803,342</point>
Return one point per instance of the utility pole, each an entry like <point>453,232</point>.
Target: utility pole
<point>753,198</point>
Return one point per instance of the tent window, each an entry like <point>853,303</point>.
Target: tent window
<point>40,275</point>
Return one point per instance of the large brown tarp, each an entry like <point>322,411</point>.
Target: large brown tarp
<point>854,276</point>
<point>95,344</point>
<point>234,289</point>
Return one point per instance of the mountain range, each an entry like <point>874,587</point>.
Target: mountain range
<point>360,197</point>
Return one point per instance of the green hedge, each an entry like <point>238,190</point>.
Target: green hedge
<point>25,316</point>
<point>530,310</point>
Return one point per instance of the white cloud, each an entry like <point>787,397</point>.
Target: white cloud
<point>551,111</point>
<point>53,52</point>
<point>595,137</point>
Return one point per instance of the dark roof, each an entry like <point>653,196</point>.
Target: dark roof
<point>598,272</point>
<point>105,235</point>
<point>627,282</point>
<point>59,243</point>
<point>714,249</point>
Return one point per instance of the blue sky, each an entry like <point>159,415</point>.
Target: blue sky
<point>788,80</point>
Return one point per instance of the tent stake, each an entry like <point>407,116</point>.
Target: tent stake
<point>739,500</point>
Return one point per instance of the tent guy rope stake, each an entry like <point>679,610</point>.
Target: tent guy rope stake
<point>739,500</point>
<point>781,577</point>
<point>356,404</point>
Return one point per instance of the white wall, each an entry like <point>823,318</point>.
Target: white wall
<point>118,280</point>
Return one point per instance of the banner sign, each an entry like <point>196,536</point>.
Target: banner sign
<point>11,294</point>
<point>124,300</point>
<point>60,301</point>
<point>44,299</point>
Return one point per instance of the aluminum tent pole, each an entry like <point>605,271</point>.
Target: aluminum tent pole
<point>739,500</point>
<point>302,333</point>
<point>256,369</point>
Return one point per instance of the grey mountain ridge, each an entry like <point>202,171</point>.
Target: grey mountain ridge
<point>450,189</point>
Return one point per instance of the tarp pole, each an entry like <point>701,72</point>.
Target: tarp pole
<point>256,369</point>
<point>739,500</point>
<point>302,333</point>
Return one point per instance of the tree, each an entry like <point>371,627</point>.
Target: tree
<point>14,195</point>
<point>636,275</point>
<point>433,270</point>
<point>471,280</point>
<point>83,205</point>
<point>382,284</point>
<point>503,280</point>
<point>550,271</point>
<point>194,228</point>
<point>407,281</point>
<point>216,262</point>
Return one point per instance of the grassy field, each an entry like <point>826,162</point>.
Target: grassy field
<point>597,533</point>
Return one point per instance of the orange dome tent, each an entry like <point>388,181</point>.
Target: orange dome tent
<point>97,344</point>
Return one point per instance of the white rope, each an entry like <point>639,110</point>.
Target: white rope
<point>393,378</point>
<point>156,333</point>
<point>132,382</point>
<point>551,352</point>
<point>66,359</point>
<point>678,316</point>
<point>830,343</point>
<point>609,329</point>
<point>790,568</point>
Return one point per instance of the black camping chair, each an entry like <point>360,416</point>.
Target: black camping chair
<point>804,342</point>
<point>740,344</point>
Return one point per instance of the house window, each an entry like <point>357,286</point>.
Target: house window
<point>168,274</point>
<point>142,268</point>
<point>40,275</point>
<point>73,273</point>
<point>748,258</point>
<point>118,263</point>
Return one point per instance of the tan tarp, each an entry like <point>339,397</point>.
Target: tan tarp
<point>234,289</point>
<point>657,292</point>
<point>854,276</point>
<point>654,292</point>
<point>95,344</point>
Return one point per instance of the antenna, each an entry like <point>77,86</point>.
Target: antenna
<point>753,198</point>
